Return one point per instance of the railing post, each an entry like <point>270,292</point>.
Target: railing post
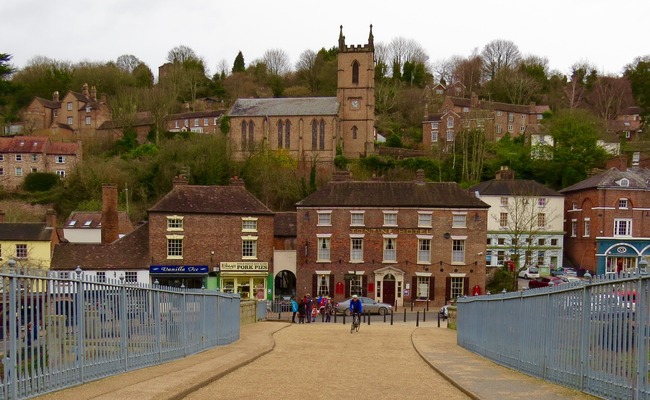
<point>640,341</point>
<point>584,334</point>
<point>80,323</point>
<point>123,323</point>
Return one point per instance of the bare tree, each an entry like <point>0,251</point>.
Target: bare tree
<point>468,72</point>
<point>306,69</point>
<point>277,62</point>
<point>127,62</point>
<point>581,74</point>
<point>608,95</point>
<point>518,86</point>
<point>497,55</point>
<point>180,54</point>
<point>401,50</point>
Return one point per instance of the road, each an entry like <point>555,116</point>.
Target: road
<point>325,361</point>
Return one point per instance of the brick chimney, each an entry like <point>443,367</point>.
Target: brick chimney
<point>419,177</point>
<point>236,181</point>
<point>505,174</point>
<point>180,180</point>
<point>619,163</point>
<point>341,176</point>
<point>93,93</point>
<point>55,96</point>
<point>110,222</point>
<point>50,218</point>
<point>84,90</point>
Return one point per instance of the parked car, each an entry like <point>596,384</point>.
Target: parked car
<point>557,271</point>
<point>529,273</point>
<point>544,281</point>
<point>570,279</point>
<point>369,305</point>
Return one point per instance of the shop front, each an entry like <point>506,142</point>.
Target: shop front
<point>249,279</point>
<point>186,276</point>
<point>616,257</point>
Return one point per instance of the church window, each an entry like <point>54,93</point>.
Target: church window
<point>280,134</point>
<point>355,72</point>
<point>354,132</point>
<point>243,135</point>
<point>251,127</point>
<point>322,135</point>
<point>314,135</point>
<point>287,134</point>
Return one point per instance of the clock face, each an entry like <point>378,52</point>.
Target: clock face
<point>355,103</point>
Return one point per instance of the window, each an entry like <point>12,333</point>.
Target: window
<point>280,134</point>
<point>622,227</point>
<point>489,241</point>
<point>287,134</point>
<point>424,250</point>
<point>356,249</point>
<point>540,258</point>
<point>59,159</point>
<point>541,220</point>
<point>504,202</point>
<point>499,113</point>
<point>174,247</point>
<point>244,138</point>
<point>498,129</point>
<point>355,72</point>
<point>196,122</point>
<point>511,117</point>
<point>186,123</point>
<point>574,228</point>
<point>390,218</point>
<point>249,225</point>
<point>574,205</point>
<point>19,157</point>
<point>101,276</point>
<point>2,171</point>
<point>176,124</point>
<point>522,128</point>
<point>323,249</point>
<point>457,287</point>
<point>355,285</point>
<point>324,218</point>
<point>501,241</point>
<point>423,287</point>
<point>357,219</point>
<point>514,241</point>
<point>541,242</point>
<point>88,120</point>
<point>458,251</point>
<point>69,120</point>
<point>450,122</point>
<point>314,135</point>
<point>450,135</point>
<point>510,128</point>
<point>34,157</point>
<point>206,122</point>
<point>323,285</point>
<point>624,182</point>
<point>69,106</point>
<point>622,203</point>
<point>541,202</point>
<point>390,252</point>
<point>459,221</point>
<point>131,277</point>
<point>434,136</point>
<point>175,223</point>
<point>19,171</point>
<point>60,173</point>
<point>21,251</point>
<point>424,220</point>
<point>2,157</point>
<point>553,242</point>
<point>434,125</point>
<point>503,220</point>
<point>216,121</point>
<point>587,225</point>
<point>355,130</point>
<point>249,247</point>
<point>501,257</point>
<point>321,135</point>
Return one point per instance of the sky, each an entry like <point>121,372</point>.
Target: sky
<point>607,34</point>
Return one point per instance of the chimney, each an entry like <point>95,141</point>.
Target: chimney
<point>93,93</point>
<point>619,163</point>
<point>505,174</point>
<point>236,181</point>
<point>180,180</point>
<point>473,102</point>
<point>50,218</point>
<point>110,223</point>
<point>55,96</point>
<point>419,177</point>
<point>84,90</point>
<point>104,98</point>
<point>341,176</point>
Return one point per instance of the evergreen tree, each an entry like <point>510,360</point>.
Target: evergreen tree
<point>239,65</point>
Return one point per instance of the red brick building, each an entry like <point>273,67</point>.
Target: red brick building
<point>396,242</point>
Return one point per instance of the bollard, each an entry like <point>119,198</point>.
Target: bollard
<point>438,320</point>
<point>368,318</point>
<point>384,317</point>
<point>335,313</point>
<point>344,318</point>
<point>424,315</point>
<point>427,304</point>
<point>391,318</point>
<point>411,305</point>
<point>405,315</point>
<point>417,319</point>
<point>279,316</point>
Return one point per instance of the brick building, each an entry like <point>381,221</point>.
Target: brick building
<point>206,121</point>
<point>21,155</point>
<point>607,220</point>
<point>396,242</point>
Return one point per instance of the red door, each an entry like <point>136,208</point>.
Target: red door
<point>388,292</point>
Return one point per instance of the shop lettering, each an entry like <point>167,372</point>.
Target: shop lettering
<point>236,266</point>
<point>180,269</point>
<point>389,231</point>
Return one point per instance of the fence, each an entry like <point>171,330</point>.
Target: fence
<point>591,336</point>
<point>60,331</point>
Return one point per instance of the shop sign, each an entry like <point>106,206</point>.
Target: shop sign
<point>396,231</point>
<point>178,269</point>
<point>244,266</point>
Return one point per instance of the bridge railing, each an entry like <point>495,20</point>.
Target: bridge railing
<point>593,336</point>
<point>62,329</point>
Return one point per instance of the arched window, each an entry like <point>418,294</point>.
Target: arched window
<point>251,137</point>
<point>314,135</point>
<point>354,132</point>
<point>243,135</point>
<point>355,72</point>
<point>280,134</point>
<point>287,134</point>
<point>322,135</point>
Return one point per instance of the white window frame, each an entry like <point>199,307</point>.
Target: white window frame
<point>324,252</point>
<point>541,202</point>
<point>459,220</point>
<point>504,202</point>
<point>249,247</point>
<point>457,288</point>
<point>434,135</point>
<point>88,120</point>
<point>324,218</point>
<point>424,249</point>
<point>18,171</point>
<point>174,247</point>
<point>18,157</point>
<point>458,246</point>
<point>389,253</point>
<point>587,228</point>
<point>574,227</point>
<point>70,120</point>
<point>357,218</point>
<point>623,224</point>
<point>425,219</point>
<point>249,224</point>
<point>131,276</point>
<point>21,250</point>
<point>59,159</point>
<point>60,173</point>
<point>356,248</point>
<point>623,203</point>
<point>450,135</point>
<point>175,223</point>
<point>390,218</point>
<point>69,106</point>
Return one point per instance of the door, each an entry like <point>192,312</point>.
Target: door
<point>388,292</point>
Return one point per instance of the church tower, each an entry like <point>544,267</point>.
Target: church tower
<point>356,97</point>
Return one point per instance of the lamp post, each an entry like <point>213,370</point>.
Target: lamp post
<point>642,266</point>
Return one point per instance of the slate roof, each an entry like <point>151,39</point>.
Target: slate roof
<point>284,224</point>
<point>36,144</point>
<point>93,220</point>
<point>130,252</point>
<point>210,200</point>
<point>197,114</point>
<point>392,194</point>
<point>513,187</point>
<point>33,232</point>
<point>493,105</point>
<point>49,103</point>
<point>639,180</point>
<point>284,107</point>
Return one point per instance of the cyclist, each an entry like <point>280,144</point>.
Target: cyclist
<point>356,308</point>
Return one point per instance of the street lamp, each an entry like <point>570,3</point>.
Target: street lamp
<point>642,266</point>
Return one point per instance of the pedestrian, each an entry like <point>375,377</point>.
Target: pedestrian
<point>294,309</point>
<point>328,309</point>
<point>301,311</point>
<point>308,307</point>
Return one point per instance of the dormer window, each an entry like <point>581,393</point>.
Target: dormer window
<point>72,222</point>
<point>624,182</point>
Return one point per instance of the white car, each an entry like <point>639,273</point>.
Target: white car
<point>529,273</point>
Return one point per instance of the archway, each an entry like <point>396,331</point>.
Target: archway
<point>285,284</point>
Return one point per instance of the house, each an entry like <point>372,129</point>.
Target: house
<point>21,155</point>
<point>196,121</point>
<point>396,242</point>
<point>607,220</point>
<point>525,222</point>
<point>442,129</point>
<point>311,130</point>
<point>28,244</point>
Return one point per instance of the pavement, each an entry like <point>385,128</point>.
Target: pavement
<point>475,376</point>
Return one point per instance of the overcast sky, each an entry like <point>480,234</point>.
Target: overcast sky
<point>609,34</point>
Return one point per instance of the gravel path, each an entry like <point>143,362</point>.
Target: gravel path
<point>323,361</point>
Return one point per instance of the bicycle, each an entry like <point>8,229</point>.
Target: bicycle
<point>356,323</point>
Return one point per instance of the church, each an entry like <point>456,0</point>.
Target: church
<point>312,129</point>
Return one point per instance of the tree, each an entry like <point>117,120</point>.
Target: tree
<point>239,65</point>
<point>471,143</point>
<point>127,62</point>
<point>277,62</point>
<point>142,75</point>
<point>497,55</point>
<point>180,54</point>
<point>609,95</point>
<point>468,72</point>
<point>6,87</point>
<point>400,50</point>
<point>638,74</point>
<point>306,70</point>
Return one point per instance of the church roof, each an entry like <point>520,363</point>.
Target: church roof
<point>285,107</point>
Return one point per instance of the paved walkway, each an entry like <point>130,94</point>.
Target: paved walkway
<point>474,376</point>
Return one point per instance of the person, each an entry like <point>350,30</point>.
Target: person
<point>294,309</point>
<point>301,312</point>
<point>356,308</point>
<point>308,306</point>
<point>328,309</point>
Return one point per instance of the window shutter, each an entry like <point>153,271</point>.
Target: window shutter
<point>432,287</point>
<point>314,285</point>
<point>414,288</point>
<point>364,286</point>
<point>447,289</point>
<point>347,289</point>
<point>331,288</point>
<point>466,286</point>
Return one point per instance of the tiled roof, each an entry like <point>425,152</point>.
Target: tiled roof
<point>197,114</point>
<point>497,106</point>
<point>391,194</point>
<point>210,200</point>
<point>36,144</point>
<point>639,179</point>
<point>63,148</point>
<point>25,231</point>
<point>284,224</point>
<point>93,220</point>
<point>285,107</point>
<point>49,103</point>
<point>131,252</point>
<point>513,187</point>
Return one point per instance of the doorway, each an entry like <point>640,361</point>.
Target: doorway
<point>388,289</point>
